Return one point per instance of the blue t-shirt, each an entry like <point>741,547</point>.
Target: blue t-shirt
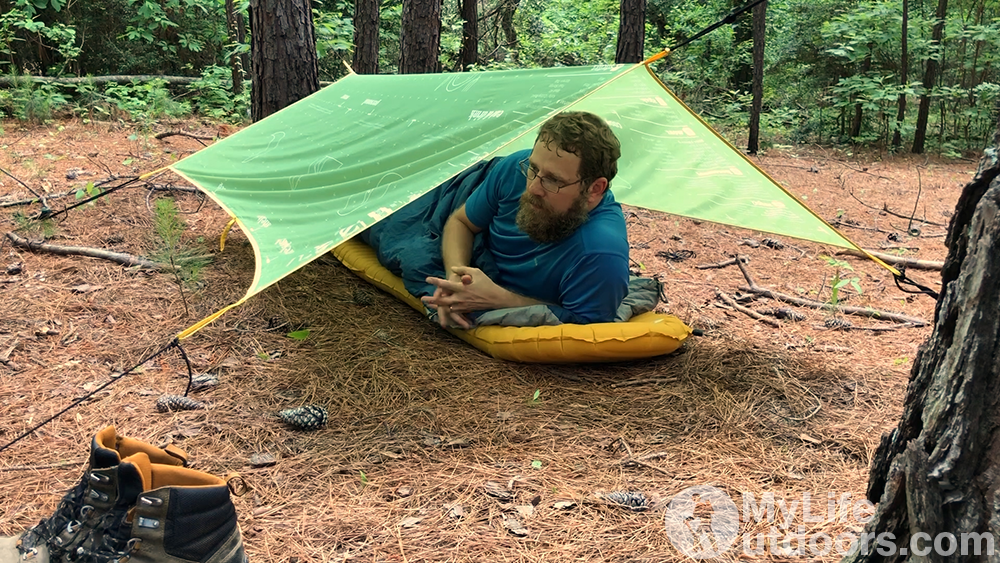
<point>583,277</point>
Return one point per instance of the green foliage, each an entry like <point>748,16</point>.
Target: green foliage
<point>212,96</point>
<point>567,32</point>
<point>837,282</point>
<point>32,101</point>
<point>334,37</point>
<point>145,101</point>
<point>170,248</point>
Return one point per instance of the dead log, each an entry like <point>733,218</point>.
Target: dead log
<point>896,260</point>
<point>118,257</point>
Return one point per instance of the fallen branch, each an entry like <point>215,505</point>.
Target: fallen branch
<point>745,310</point>
<point>119,257</point>
<point>847,310</point>
<point>724,263</point>
<point>896,260</point>
<point>162,136</point>
<point>885,209</point>
<point>29,201</point>
<point>871,328</point>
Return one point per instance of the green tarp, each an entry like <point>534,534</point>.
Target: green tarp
<point>318,172</point>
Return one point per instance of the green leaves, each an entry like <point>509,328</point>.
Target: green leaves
<point>299,335</point>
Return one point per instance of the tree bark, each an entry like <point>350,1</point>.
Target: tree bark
<point>759,15</point>
<point>939,470</point>
<point>631,31</point>
<point>856,122</point>
<point>420,37</point>
<point>366,21</point>
<point>930,75</point>
<point>507,10</point>
<point>237,36</point>
<point>897,138</point>
<point>283,47</point>
<point>470,33</point>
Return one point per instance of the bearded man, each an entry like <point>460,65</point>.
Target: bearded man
<point>552,225</point>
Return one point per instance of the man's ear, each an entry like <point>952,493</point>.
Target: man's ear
<point>596,190</point>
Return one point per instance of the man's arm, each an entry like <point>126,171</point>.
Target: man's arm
<point>456,242</point>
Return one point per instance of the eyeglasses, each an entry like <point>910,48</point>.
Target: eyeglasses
<point>550,185</point>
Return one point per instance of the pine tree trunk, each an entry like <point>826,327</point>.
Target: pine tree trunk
<point>759,15</point>
<point>420,37</point>
<point>470,33</point>
<point>366,20</point>
<point>930,75</point>
<point>507,10</point>
<point>858,119</point>
<point>237,36</point>
<point>939,471</point>
<point>897,139</point>
<point>283,47</point>
<point>631,31</point>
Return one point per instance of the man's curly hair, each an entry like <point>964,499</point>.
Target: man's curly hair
<point>588,137</point>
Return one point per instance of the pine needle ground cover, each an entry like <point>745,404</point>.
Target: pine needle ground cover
<point>429,450</point>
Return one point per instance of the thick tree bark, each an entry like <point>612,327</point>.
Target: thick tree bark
<point>631,31</point>
<point>897,138</point>
<point>283,47</point>
<point>759,15</point>
<point>470,33</point>
<point>939,471</point>
<point>420,37</point>
<point>930,75</point>
<point>366,20</point>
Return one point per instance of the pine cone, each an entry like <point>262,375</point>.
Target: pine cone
<point>309,417</point>
<point>362,297</point>
<point>835,323</point>
<point>167,403</point>
<point>635,501</point>
<point>774,244</point>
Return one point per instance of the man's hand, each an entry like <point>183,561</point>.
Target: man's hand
<point>447,317</point>
<point>468,290</point>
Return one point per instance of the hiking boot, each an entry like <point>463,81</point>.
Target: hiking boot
<point>86,503</point>
<point>165,514</point>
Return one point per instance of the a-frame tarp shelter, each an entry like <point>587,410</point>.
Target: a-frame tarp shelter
<point>322,170</point>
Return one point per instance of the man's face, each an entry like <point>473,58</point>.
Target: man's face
<point>548,216</point>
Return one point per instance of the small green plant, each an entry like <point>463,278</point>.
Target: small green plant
<point>534,400</point>
<point>363,477</point>
<point>536,464</point>
<point>90,190</point>
<point>30,226</point>
<point>299,335</point>
<point>837,282</point>
<point>185,263</point>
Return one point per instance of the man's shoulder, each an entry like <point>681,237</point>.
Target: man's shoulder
<point>605,232</point>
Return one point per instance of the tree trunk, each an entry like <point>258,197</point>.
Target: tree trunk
<point>897,138</point>
<point>631,31</point>
<point>856,122</point>
<point>759,15</point>
<point>420,37</point>
<point>283,45</point>
<point>930,75</point>
<point>366,20</point>
<point>507,24</point>
<point>939,471</point>
<point>470,33</point>
<point>237,36</point>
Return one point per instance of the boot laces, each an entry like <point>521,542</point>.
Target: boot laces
<point>64,516</point>
<point>109,541</point>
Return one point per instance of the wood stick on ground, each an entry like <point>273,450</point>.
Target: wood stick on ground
<point>871,328</point>
<point>746,273</point>
<point>119,257</point>
<point>633,382</point>
<point>31,200</point>
<point>896,260</point>
<point>847,310</point>
<point>60,465</point>
<point>746,310</point>
<point>181,134</point>
<point>724,263</point>
<point>836,349</point>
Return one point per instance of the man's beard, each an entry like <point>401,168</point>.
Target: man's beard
<point>543,225</point>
